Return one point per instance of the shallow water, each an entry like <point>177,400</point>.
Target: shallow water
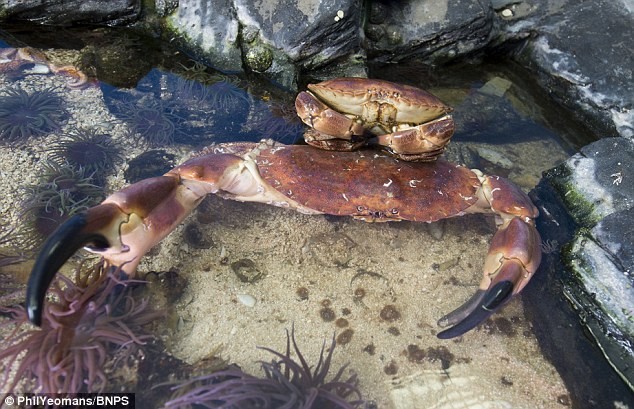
<point>323,274</point>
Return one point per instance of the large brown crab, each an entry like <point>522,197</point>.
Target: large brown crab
<point>365,184</point>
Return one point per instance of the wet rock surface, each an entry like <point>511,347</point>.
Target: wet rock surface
<point>434,30</point>
<point>586,205</point>
<point>62,12</point>
<point>274,38</point>
<point>327,38</point>
<point>580,52</point>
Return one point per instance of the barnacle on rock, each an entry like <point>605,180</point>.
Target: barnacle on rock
<point>84,323</point>
<point>286,383</point>
<point>24,115</point>
<point>258,58</point>
<point>86,148</point>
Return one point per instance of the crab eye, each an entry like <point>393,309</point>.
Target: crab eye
<point>360,209</point>
<point>394,210</point>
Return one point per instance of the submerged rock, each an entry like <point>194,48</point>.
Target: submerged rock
<point>278,39</point>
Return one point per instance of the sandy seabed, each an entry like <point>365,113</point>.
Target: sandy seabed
<point>327,276</point>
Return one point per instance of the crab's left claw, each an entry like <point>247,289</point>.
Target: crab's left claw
<point>94,228</point>
<point>513,257</point>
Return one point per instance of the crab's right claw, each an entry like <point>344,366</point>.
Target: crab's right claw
<point>121,229</point>
<point>130,222</point>
<point>324,119</point>
<point>97,228</point>
<point>514,255</point>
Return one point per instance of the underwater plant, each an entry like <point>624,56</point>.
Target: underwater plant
<point>286,384</point>
<point>24,114</point>
<point>154,121</point>
<point>62,191</point>
<point>88,149</point>
<point>83,324</point>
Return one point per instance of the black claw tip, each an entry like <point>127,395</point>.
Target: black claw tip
<point>463,311</point>
<point>498,295</point>
<point>493,299</point>
<point>59,247</point>
<point>467,324</point>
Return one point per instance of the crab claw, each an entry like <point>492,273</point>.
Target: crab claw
<point>325,120</point>
<point>122,229</point>
<point>424,142</point>
<point>130,222</point>
<point>513,257</point>
<point>94,228</point>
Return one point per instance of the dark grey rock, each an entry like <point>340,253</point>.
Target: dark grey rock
<point>64,12</point>
<point>278,39</point>
<point>582,53</point>
<point>210,30</point>
<point>598,181</point>
<point>615,234</point>
<point>433,31</point>
<point>589,210</point>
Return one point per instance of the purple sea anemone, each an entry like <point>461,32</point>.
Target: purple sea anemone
<point>83,324</point>
<point>286,384</point>
<point>88,149</point>
<point>155,121</point>
<point>24,114</point>
<point>62,191</point>
<point>225,95</point>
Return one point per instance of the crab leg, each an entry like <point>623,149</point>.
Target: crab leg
<point>422,142</point>
<point>130,222</point>
<point>320,117</point>
<point>513,257</point>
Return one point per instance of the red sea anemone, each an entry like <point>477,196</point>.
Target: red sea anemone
<point>83,324</point>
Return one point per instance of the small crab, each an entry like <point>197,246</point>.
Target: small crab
<point>27,60</point>
<point>347,113</point>
<point>312,181</point>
